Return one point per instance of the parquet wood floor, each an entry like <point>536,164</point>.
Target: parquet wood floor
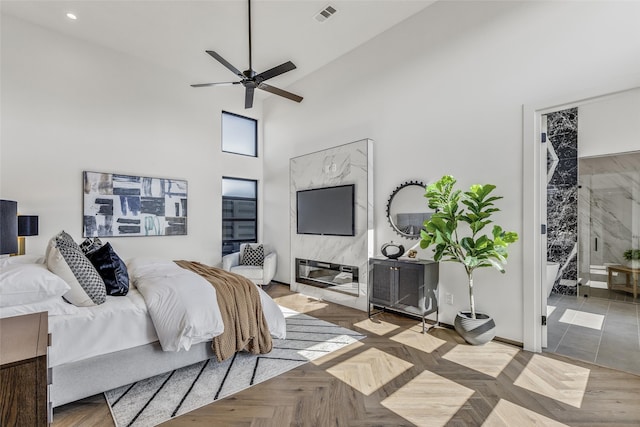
<point>400,377</point>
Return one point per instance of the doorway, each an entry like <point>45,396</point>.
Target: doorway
<point>609,225</point>
<point>593,226</point>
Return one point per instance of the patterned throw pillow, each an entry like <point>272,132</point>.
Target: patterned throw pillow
<point>66,259</point>
<point>253,255</point>
<point>90,244</point>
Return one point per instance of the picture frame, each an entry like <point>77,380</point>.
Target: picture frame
<point>118,205</point>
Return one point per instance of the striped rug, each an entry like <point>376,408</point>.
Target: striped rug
<point>158,399</point>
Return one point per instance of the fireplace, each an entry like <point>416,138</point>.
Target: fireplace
<point>326,275</point>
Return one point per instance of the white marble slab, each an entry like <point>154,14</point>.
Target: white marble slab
<point>342,165</point>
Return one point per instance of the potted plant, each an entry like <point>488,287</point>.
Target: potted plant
<point>465,245</point>
<point>633,257</point>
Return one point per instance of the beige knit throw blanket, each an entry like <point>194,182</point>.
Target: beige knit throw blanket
<point>245,327</point>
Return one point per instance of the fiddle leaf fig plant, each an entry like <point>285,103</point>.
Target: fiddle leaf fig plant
<point>632,254</point>
<point>455,229</point>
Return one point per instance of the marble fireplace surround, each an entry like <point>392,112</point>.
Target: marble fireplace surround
<point>350,163</point>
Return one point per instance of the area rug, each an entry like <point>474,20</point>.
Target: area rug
<point>160,398</point>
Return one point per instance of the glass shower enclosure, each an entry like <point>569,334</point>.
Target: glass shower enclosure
<point>609,226</point>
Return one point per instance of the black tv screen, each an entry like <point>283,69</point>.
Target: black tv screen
<point>326,211</point>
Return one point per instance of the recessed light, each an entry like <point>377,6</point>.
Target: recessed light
<point>71,16</point>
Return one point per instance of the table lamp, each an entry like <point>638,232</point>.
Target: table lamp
<point>27,226</point>
<point>8,227</point>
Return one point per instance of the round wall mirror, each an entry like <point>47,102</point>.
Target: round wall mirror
<point>407,209</point>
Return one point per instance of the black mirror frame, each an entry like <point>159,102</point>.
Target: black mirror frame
<point>395,192</point>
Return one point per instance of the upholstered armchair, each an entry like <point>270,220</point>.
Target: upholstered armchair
<point>258,274</point>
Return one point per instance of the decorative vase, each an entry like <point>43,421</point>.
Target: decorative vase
<point>392,250</point>
<point>476,331</point>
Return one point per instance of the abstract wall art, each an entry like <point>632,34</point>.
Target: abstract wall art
<point>125,205</point>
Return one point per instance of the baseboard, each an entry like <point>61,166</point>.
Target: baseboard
<point>499,339</point>
<point>277,282</point>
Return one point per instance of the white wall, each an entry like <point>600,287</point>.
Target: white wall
<point>609,125</point>
<point>69,106</point>
<point>442,93</point>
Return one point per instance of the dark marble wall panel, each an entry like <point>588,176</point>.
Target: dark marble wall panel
<point>566,173</point>
<point>562,195</point>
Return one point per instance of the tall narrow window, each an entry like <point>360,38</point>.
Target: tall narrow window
<point>239,213</point>
<point>239,134</point>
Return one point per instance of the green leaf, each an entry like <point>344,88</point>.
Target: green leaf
<point>468,244</point>
<point>496,264</point>
<point>471,262</point>
<point>510,237</point>
<point>458,219</point>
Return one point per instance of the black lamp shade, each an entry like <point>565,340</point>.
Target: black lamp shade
<point>8,227</point>
<point>27,225</point>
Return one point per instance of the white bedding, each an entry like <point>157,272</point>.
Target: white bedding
<point>182,304</point>
<point>121,322</point>
<point>124,322</point>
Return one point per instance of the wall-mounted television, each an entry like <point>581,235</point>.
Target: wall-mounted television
<point>327,211</point>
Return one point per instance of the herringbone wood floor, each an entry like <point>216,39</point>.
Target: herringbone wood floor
<point>400,377</point>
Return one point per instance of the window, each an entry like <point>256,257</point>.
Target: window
<point>239,213</point>
<point>239,134</point>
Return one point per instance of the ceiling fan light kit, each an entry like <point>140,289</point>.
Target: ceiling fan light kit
<point>252,80</point>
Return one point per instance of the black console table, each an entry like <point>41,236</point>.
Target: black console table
<point>407,287</point>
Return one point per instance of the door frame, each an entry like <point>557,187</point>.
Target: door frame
<point>534,202</point>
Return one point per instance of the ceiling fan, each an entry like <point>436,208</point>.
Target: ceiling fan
<point>250,79</point>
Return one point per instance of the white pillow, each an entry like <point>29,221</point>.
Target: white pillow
<point>22,259</point>
<point>55,306</point>
<point>140,266</point>
<point>28,283</point>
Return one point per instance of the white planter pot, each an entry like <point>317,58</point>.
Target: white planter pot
<point>633,263</point>
<point>476,331</point>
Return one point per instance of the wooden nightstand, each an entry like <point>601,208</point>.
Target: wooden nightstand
<point>23,370</point>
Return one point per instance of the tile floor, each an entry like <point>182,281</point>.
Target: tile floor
<point>614,295</point>
<point>596,330</point>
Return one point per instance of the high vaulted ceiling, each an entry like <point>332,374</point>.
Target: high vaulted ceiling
<point>175,34</point>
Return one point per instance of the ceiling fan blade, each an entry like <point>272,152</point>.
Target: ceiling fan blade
<point>276,71</point>
<point>248,97</point>
<point>215,84</point>
<point>281,92</point>
<point>224,62</point>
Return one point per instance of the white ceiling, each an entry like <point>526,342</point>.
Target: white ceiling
<point>175,34</point>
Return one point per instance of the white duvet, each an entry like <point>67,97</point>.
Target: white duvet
<point>183,305</point>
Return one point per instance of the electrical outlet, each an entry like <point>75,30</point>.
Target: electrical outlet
<point>448,298</point>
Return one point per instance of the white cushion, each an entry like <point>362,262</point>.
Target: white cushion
<point>29,283</point>
<point>251,272</point>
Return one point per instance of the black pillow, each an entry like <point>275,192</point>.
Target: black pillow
<point>111,268</point>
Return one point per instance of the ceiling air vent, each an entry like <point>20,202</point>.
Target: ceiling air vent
<point>325,13</point>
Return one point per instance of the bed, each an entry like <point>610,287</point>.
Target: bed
<point>169,318</point>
